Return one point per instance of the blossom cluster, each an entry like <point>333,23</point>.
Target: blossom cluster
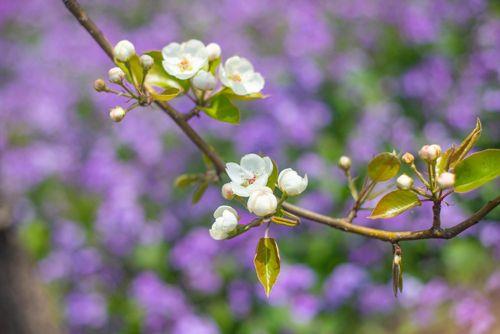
<point>252,179</point>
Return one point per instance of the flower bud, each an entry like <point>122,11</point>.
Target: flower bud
<point>446,180</point>
<point>146,62</point>
<point>100,85</point>
<point>117,114</point>
<point>116,75</point>
<point>227,191</point>
<point>124,50</point>
<point>345,163</point>
<point>262,202</point>
<point>404,182</point>
<point>226,221</point>
<point>204,80</point>
<point>408,158</point>
<point>430,152</point>
<point>213,50</point>
<point>291,183</point>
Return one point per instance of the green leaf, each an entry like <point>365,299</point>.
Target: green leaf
<point>442,163</point>
<point>459,153</point>
<point>213,65</point>
<point>229,93</point>
<point>198,193</point>
<point>273,178</point>
<point>383,167</point>
<point>185,180</point>
<point>166,95</point>
<point>267,263</point>
<point>158,77</point>
<point>222,109</point>
<point>395,203</point>
<point>133,70</point>
<point>477,169</point>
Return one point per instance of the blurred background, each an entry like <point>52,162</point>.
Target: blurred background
<point>120,250</point>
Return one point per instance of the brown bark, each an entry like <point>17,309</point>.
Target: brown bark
<point>25,307</point>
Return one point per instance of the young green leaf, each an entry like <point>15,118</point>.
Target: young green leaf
<point>133,70</point>
<point>255,96</point>
<point>166,95</point>
<point>198,193</point>
<point>273,178</point>
<point>459,152</point>
<point>185,180</point>
<point>213,65</point>
<point>222,109</point>
<point>477,169</point>
<point>395,203</point>
<point>442,163</point>
<point>267,263</point>
<point>383,167</point>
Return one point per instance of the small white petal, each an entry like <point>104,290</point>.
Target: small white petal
<point>220,210</point>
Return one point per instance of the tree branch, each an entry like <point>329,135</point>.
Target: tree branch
<point>344,224</point>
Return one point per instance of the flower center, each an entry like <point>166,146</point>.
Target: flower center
<point>249,180</point>
<point>185,65</point>
<point>235,77</point>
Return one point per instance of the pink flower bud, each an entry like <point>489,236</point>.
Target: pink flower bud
<point>227,191</point>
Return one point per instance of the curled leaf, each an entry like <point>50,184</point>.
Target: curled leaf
<point>397,270</point>
<point>267,263</point>
<point>285,221</point>
<point>185,180</point>
<point>459,152</point>
<point>200,190</point>
<point>394,204</point>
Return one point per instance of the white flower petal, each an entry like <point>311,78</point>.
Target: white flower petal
<point>268,165</point>
<point>195,47</point>
<point>235,172</point>
<point>239,190</point>
<point>253,83</point>
<point>217,234</point>
<point>171,50</point>
<point>253,163</point>
<point>238,88</point>
<point>220,210</point>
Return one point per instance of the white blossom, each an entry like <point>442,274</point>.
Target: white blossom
<point>239,75</point>
<point>116,75</point>
<point>184,60</point>
<point>446,180</point>
<point>252,173</point>
<point>262,202</point>
<point>124,50</point>
<point>226,221</point>
<point>291,183</point>
<point>214,51</point>
<point>404,182</point>
<point>204,80</point>
<point>430,152</point>
<point>117,114</point>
